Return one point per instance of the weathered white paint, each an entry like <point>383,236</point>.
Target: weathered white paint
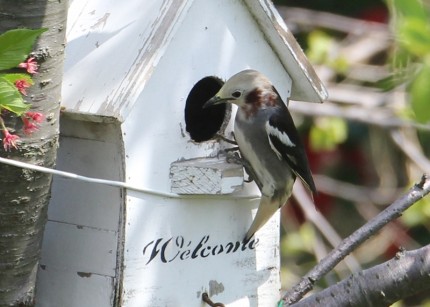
<point>73,289</point>
<point>251,274</point>
<point>112,50</point>
<point>103,34</point>
<point>226,32</point>
<point>81,246</point>
<point>206,176</point>
<point>128,72</point>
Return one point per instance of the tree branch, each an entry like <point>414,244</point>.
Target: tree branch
<point>381,117</point>
<point>395,210</point>
<point>318,19</point>
<point>406,274</point>
<point>320,222</point>
<point>359,194</point>
<point>410,149</point>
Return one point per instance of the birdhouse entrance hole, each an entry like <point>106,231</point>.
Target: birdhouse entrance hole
<point>203,124</point>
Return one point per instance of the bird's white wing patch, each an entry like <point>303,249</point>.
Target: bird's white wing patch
<point>282,136</point>
<point>278,154</point>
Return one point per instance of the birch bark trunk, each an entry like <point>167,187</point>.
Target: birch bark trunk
<point>24,194</point>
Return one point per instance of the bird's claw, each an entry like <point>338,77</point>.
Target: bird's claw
<point>249,180</point>
<point>232,156</point>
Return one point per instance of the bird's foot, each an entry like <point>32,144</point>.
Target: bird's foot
<point>232,156</point>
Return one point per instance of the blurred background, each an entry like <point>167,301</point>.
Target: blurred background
<point>370,141</point>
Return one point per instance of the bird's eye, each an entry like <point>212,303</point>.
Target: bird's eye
<point>236,94</point>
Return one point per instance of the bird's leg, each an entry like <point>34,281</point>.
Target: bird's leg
<point>236,148</point>
<point>251,174</point>
<point>234,157</point>
<point>220,136</point>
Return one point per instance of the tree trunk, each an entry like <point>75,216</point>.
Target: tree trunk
<point>25,194</point>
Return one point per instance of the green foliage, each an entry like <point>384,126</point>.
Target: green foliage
<point>10,98</point>
<point>15,45</point>
<point>411,59</point>
<point>320,45</point>
<point>320,49</point>
<point>15,77</point>
<point>295,243</point>
<point>420,95</point>
<point>409,8</point>
<point>414,35</point>
<point>327,133</point>
<point>418,214</point>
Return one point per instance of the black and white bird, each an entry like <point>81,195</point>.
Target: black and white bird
<point>268,141</point>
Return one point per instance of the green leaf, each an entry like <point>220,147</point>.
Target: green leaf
<point>12,78</point>
<point>414,36</point>
<point>399,76</point>
<point>11,99</point>
<point>15,46</point>
<point>418,214</point>
<point>327,133</point>
<point>320,44</point>
<point>400,59</point>
<point>420,95</point>
<point>411,8</point>
<point>300,241</point>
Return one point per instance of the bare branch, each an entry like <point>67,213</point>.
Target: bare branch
<point>411,150</point>
<point>355,193</point>
<point>381,117</point>
<point>406,274</point>
<point>309,18</point>
<point>320,222</point>
<point>395,210</point>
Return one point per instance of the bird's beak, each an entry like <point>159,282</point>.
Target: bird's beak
<point>214,101</point>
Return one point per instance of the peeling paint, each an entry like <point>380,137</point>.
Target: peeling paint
<point>101,21</point>
<point>215,287</point>
<point>84,274</point>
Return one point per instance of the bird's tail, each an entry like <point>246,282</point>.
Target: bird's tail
<point>266,209</point>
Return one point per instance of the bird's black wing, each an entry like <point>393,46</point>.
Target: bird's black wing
<point>285,142</point>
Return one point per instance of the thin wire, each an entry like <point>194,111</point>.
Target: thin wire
<point>112,183</point>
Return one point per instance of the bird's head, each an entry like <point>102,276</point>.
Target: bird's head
<point>247,89</point>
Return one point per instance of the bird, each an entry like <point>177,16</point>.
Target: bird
<point>268,141</point>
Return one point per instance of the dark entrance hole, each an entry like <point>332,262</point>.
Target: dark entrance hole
<point>203,124</point>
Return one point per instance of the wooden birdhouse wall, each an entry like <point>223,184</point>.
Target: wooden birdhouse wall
<point>82,242</point>
<point>128,76</point>
<point>204,45</point>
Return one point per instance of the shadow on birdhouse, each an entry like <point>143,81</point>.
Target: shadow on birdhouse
<point>204,124</point>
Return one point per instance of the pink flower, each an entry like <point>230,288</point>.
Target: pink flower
<point>9,140</point>
<point>21,85</point>
<point>30,120</point>
<point>35,116</point>
<point>29,126</point>
<point>30,64</point>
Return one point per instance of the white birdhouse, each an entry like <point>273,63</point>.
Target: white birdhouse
<point>135,78</point>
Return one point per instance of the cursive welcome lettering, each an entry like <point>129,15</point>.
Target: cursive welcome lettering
<point>178,248</point>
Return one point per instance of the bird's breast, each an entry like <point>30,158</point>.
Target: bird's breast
<point>273,172</point>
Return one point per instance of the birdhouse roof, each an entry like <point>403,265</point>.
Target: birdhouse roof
<point>104,77</point>
<point>306,84</point>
